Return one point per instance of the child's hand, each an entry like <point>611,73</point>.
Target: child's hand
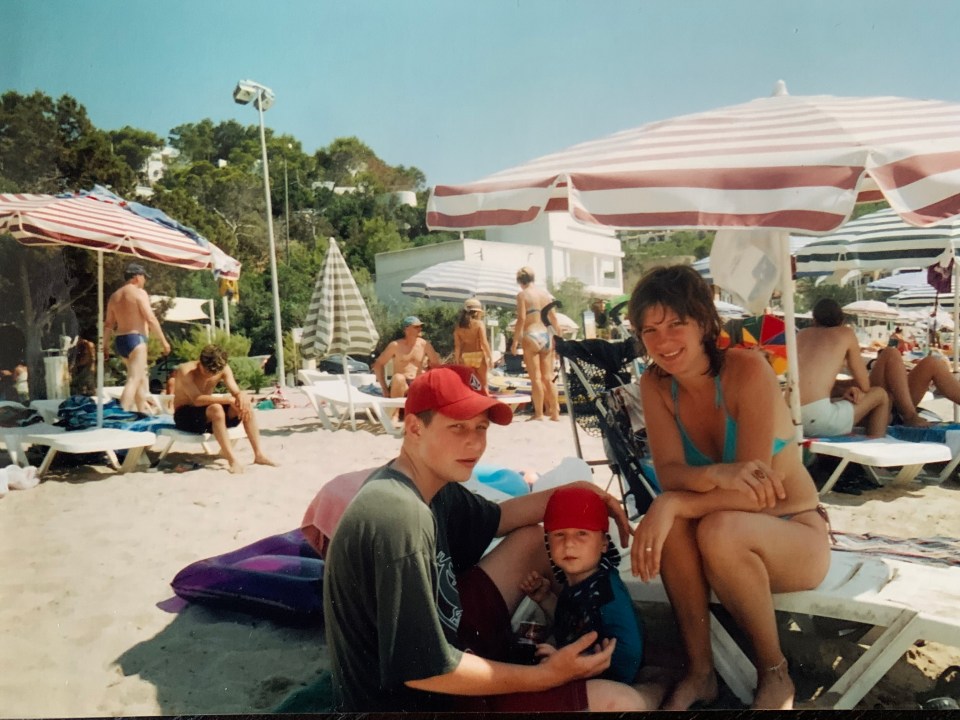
<point>535,586</point>
<point>544,650</point>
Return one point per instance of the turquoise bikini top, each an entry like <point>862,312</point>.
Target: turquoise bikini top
<point>692,453</point>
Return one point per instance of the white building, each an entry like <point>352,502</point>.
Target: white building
<point>154,167</point>
<point>554,245</point>
<point>588,253</point>
<point>392,268</point>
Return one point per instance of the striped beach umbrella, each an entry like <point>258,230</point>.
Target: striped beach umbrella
<point>460,280</point>
<point>102,221</point>
<point>338,320</point>
<point>782,164</point>
<point>921,297</point>
<point>881,240</point>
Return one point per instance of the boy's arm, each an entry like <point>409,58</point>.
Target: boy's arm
<point>475,675</point>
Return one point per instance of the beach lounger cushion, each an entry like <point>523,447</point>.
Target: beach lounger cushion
<point>279,577</point>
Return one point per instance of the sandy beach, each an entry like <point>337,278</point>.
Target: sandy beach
<point>86,557</point>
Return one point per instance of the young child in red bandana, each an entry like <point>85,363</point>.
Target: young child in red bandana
<point>593,597</point>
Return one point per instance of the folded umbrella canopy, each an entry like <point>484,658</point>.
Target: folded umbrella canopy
<point>783,163</point>
<point>338,320</point>
<point>102,221</point>
<point>460,280</point>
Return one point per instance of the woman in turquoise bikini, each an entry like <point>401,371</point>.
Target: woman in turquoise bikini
<point>739,514</point>
<point>538,355</point>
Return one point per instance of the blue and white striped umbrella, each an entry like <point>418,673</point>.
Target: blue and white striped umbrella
<point>459,280</point>
<point>921,297</point>
<point>879,241</point>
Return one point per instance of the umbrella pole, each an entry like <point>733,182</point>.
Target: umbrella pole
<point>346,376</point>
<point>790,328</point>
<point>954,346</point>
<point>100,347</point>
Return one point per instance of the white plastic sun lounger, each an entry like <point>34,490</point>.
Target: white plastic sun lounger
<point>904,601</point>
<point>13,439</point>
<point>173,436</point>
<point>107,440</point>
<point>882,452</point>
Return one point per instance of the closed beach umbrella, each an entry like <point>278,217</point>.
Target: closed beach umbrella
<point>460,280</point>
<point>338,320</point>
<point>782,164</point>
<point>102,221</point>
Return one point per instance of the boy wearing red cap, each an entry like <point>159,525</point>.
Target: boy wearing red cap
<point>417,616</point>
<point>592,596</point>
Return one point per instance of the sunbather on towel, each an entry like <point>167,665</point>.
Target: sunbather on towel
<point>417,616</point>
<point>739,512</point>
<point>196,409</point>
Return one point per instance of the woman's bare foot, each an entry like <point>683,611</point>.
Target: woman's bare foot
<point>236,467</point>
<point>264,460</point>
<point>775,689</point>
<point>534,417</point>
<point>691,689</point>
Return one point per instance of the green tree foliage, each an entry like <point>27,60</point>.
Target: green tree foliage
<point>134,146</point>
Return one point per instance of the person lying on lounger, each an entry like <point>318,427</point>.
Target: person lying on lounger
<point>197,410</point>
<point>417,616</point>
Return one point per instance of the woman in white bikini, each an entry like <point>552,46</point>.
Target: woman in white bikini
<point>739,512</point>
<point>531,333</point>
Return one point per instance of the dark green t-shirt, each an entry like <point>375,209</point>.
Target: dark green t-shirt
<point>390,602</point>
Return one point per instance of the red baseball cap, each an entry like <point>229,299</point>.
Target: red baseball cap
<point>575,507</point>
<point>454,391</point>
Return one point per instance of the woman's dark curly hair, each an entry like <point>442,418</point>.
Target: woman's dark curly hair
<point>681,289</point>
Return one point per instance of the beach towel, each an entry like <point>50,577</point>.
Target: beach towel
<point>938,550</point>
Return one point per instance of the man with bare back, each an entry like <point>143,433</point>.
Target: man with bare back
<point>196,409</point>
<point>129,320</point>
<point>408,354</point>
<point>829,407</point>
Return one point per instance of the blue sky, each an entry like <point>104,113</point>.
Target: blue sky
<point>463,89</point>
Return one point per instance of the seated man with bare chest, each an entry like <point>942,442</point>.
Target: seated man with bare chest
<point>408,354</point>
<point>198,410</point>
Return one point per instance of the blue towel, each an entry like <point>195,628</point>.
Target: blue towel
<point>935,433</point>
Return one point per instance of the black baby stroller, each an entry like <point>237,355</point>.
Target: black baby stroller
<point>603,400</point>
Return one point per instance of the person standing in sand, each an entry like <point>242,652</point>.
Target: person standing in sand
<point>531,333</point>
<point>197,410</point>
<point>129,320</point>
<point>470,346</point>
<point>408,355</point>
<point>828,407</point>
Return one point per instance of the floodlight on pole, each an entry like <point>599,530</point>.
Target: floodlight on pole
<point>263,98</point>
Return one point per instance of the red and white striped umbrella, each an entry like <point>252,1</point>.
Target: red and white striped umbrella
<point>102,221</point>
<point>782,163</point>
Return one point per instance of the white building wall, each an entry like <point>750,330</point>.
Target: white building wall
<point>589,254</point>
<point>392,268</point>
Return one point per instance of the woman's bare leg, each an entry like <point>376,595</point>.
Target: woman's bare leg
<point>889,373</point>
<point>686,586</point>
<point>551,405</point>
<point>748,556</point>
<point>531,361</point>
<point>936,370</point>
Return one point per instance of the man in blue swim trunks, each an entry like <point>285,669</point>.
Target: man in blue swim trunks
<point>129,320</point>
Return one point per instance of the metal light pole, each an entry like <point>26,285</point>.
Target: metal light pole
<point>286,210</point>
<point>262,96</point>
